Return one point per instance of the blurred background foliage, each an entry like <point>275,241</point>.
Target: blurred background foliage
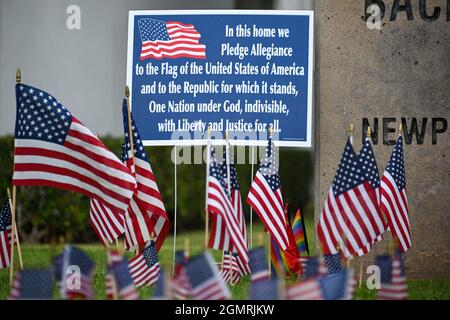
<point>49,215</point>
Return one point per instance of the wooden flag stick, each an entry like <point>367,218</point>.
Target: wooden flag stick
<point>15,229</point>
<point>360,275</point>
<point>113,279</point>
<point>208,155</point>
<point>130,138</point>
<point>227,162</point>
<point>186,248</point>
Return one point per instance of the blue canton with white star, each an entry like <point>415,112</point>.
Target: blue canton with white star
<point>269,168</point>
<point>233,172</point>
<point>368,164</point>
<point>5,217</point>
<point>150,254</point>
<point>40,116</point>
<point>139,151</point>
<point>348,175</point>
<point>396,166</point>
<point>218,170</point>
<point>152,30</point>
<point>333,263</point>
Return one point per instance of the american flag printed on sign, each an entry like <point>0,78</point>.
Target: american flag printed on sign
<point>368,164</point>
<point>108,224</point>
<point>75,257</point>
<point>393,280</point>
<point>144,268</point>
<point>171,39</point>
<point>394,202</point>
<point>126,289</point>
<point>344,222</point>
<point>5,235</point>
<point>146,213</point>
<point>32,284</point>
<point>333,263</point>
<point>266,199</point>
<point>219,203</point>
<point>54,149</point>
<point>206,282</point>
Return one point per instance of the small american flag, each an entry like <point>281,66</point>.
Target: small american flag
<point>32,284</point>
<point>146,213</point>
<point>368,164</point>
<point>114,258</point>
<point>54,149</point>
<point>5,235</point>
<point>333,263</point>
<point>205,279</point>
<point>312,267</point>
<point>308,289</point>
<point>266,199</point>
<point>219,203</point>
<point>124,283</point>
<point>230,262</point>
<point>171,39</point>
<point>180,285</point>
<point>72,256</point>
<point>108,224</point>
<point>338,286</point>
<point>394,202</point>
<point>268,289</point>
<point>144,268</point>
<point>258,264</point>
<point>393,280</point>
<point>344,221</point>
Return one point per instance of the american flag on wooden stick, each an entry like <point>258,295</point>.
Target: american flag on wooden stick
<point>231,261</point>
<point>394,201</point>
<point>70,287</point>
<point>206,282</point>
<point>108,224</point>
<point>144,268</point>
<point>123,281</point>
<point>393,280</point>
<point>219,203</point>
<point>180,286</point>
<point>5,235</point>
<point>266,199</point>
<point>258,264</point>
<point>344,222</point>
<point>368,165</point>
<point>146,213</point>
<point>114,258</point>
<point>54,149</point>
<point>32,284</point>
<point>171,39</point>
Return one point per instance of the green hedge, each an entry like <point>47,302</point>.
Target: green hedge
<point>46,215</point>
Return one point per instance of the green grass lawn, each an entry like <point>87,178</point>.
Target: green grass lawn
<point>39,256</point>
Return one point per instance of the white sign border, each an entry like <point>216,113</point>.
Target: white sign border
<point>298,144</point>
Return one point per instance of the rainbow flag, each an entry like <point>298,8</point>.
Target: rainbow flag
<point>298,228</point>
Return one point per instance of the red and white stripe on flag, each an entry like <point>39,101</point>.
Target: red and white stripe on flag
<point>82,164</point>
<point>5,248</point>
<point>219,203</point>
<point>305,290</point>
<point>268,204</point>
<point>397,289</point>
<point>108,224</point>
<point>146,213</point>
<point>394,203</point>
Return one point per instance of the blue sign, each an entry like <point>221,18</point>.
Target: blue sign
<point>235,71</point>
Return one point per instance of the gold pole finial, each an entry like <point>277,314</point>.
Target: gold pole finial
<point>350,129</point>
<point>400,129</point>
<point>186,247</point>
<point>226,135</point>
<point>9,193</point>
<point>270,130</point>
<point>127,91</point>
<point>369,132</point>
<point>18,76</point>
